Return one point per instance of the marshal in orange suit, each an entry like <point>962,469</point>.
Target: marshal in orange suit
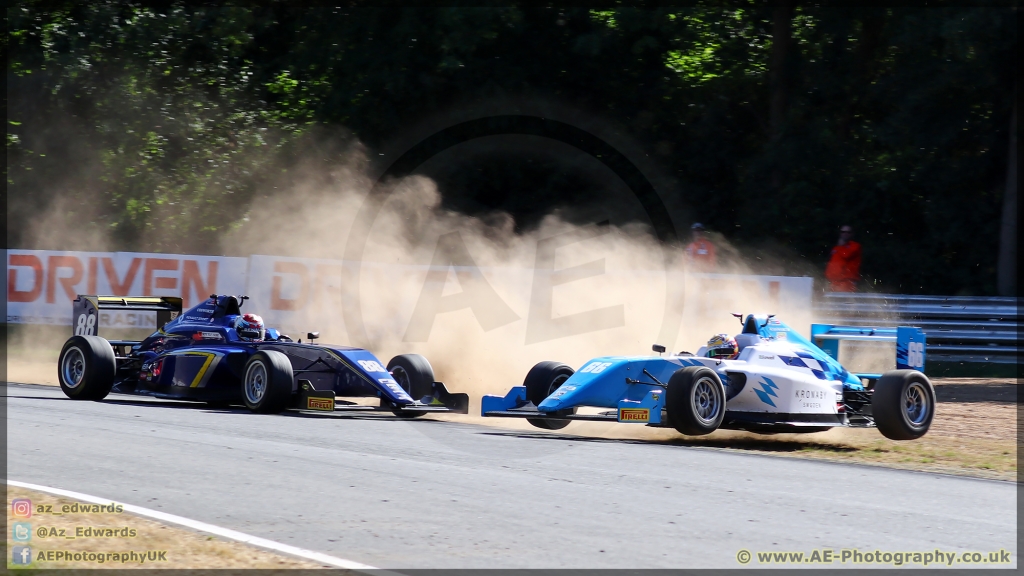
<point>843,270</point>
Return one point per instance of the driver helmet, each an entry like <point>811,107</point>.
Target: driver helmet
<point>250,328</point>
<point>723,346</point>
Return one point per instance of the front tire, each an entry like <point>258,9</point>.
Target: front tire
<point>415,375</point>
<point>86,368</point>
<point>267,382</point>
<point>695,401</point>
<point>903,404</point>
<point>542,381</point>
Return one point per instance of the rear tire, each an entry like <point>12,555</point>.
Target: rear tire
<point>542,380</point>
<point>267,382</point>
<point>695,401</point>
<point>86,368</point>
<point>415,375</point>
<point>903,404</point>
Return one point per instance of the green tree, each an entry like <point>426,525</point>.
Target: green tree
<point>158,123</point>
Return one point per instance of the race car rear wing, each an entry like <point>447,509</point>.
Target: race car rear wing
<point>910,342</point>
<point>86,310</point>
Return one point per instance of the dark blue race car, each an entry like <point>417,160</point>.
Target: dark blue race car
<point>201,356</point>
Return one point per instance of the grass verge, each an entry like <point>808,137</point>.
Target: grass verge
<point>122,534</point>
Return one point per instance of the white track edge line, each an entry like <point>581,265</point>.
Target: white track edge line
<point>209,528</point>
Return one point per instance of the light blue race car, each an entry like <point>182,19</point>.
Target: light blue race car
<point>779,382</point>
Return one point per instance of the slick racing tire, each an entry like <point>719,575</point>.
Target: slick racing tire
<point>267,382</point>
<point>542,380</point>
<point>903,404</point>
<point>86,368</point>
<point>415,375</point>
<point>695,401</point>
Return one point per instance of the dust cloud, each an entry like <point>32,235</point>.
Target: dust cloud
<point>482,302</point>
<point>66,221</point>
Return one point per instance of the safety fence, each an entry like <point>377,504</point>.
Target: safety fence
<point>958,328</point>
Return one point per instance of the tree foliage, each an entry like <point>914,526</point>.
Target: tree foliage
<point>162,120</point>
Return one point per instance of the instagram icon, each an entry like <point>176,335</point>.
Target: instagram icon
<point>21,507</point>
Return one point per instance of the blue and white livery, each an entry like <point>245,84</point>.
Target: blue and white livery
<point>779,382</point>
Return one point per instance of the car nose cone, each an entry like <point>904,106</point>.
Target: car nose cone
<point>550,405</point>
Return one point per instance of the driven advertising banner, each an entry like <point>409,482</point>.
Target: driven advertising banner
<point>41,284</point>
<point>296,294</point>
<point>585,298</point>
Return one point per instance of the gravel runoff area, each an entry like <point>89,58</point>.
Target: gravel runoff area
<point>974,433</point>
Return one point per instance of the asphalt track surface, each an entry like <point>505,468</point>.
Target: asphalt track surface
<point>428,494</point>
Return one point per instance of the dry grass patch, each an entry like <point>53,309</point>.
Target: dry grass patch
<point>184,548</point>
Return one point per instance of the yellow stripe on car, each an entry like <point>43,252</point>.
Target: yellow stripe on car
<point>202,371</point>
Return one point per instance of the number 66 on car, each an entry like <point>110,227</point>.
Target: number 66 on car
<point>770,379</point>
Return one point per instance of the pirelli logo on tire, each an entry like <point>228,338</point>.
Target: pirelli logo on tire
<point>326,404</point>
<point>634,415</point>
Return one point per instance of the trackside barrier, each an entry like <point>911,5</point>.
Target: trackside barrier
<point>958,328</point>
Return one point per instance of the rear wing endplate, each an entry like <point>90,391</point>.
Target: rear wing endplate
<point>85,316</point>
<point>910,341</point>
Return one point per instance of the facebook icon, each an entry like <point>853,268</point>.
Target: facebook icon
<point>21,554</point>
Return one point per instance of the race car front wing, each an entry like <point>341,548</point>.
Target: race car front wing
<point>440,400</point>
<point>650,410</point>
